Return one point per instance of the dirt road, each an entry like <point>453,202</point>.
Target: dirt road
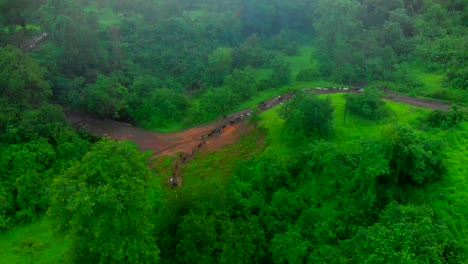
<point>190,139</point>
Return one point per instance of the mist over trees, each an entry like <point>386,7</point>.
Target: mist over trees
<point>186,49</point>
<point>289,192</point>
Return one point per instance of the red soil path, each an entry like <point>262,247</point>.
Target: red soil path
<point>160,143</point>
<point>185,141</point>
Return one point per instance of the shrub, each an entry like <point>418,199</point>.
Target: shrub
<point>306,115</point>
<point>369,104</point>
<point>444,120</point>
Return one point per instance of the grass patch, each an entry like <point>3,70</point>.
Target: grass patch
<point>33,243</point>
<point>303,60</point>
<point>347,134</point>
<point>452,207</point>
<point>220,164</point>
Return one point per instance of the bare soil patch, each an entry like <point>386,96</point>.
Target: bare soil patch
<point>419,102</point>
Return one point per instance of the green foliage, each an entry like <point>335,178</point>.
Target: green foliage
<point>307,75</point>
<point>457,77</point>
<point>106,97</point>
<point>35,242</point>
<point>306,114</point>
<point>289,247</point>
<point>103,202</point>
<point>281,74</point>
<point>250,53</point>
<point>23,181</point>
<point>35,144</point>
<point>241,83</point>
<point>218,102</point>
<point>445,120</point>
<point>414,157</point>
<point>406,234</point>
<point>282,43</point>
<point>169,63</point>
<point>400,156</point>
<point>152,107</point>
<point>368,104</point>
<point>48,122</point>
<point>219,66</point>
<point>73,30</point>
<point>21,79</point>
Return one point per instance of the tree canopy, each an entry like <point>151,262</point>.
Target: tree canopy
<point>103,201</point>
<point>306,114</point>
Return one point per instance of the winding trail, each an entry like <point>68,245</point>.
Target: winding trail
<point>186,140</point>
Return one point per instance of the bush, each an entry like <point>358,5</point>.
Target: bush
<point>369,104</point>
<point>444,120</point>
<point>306,115</point>
<point>281,72</point>
<point>406,234</point>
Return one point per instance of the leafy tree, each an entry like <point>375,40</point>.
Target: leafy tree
<point>218,102</point>
<point>241,83</point>
<point>284,44</point>
<point>281,74</point>
<point>400,156</point>
<point>250,53</point>
<point>46,122</point>
<point>306,114</point>
<point>369,104</point>
<point>106,97</point>
<point>414,157</point>
<point>289,247</point>
<point>21,79</point>
<point>103,202</point>
<point>157,108</point>
<point>219,65</point>
<point>445,120</point>
<point>336,24</point>
<point>10,116</point>
<point>72,30</point>
<point>406,234</point>
<point>24,179</point>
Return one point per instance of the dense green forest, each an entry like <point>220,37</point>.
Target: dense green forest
<point>320,178</point>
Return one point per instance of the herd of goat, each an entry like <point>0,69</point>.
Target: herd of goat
<point>212,134</point>
<point>263,106</point>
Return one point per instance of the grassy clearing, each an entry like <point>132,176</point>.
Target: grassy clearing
<point>348,134</point>
<point>303,60</point>
<point>33,243</point>
<point>424,83</point>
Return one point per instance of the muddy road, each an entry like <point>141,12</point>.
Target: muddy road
<point>189,140</point>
